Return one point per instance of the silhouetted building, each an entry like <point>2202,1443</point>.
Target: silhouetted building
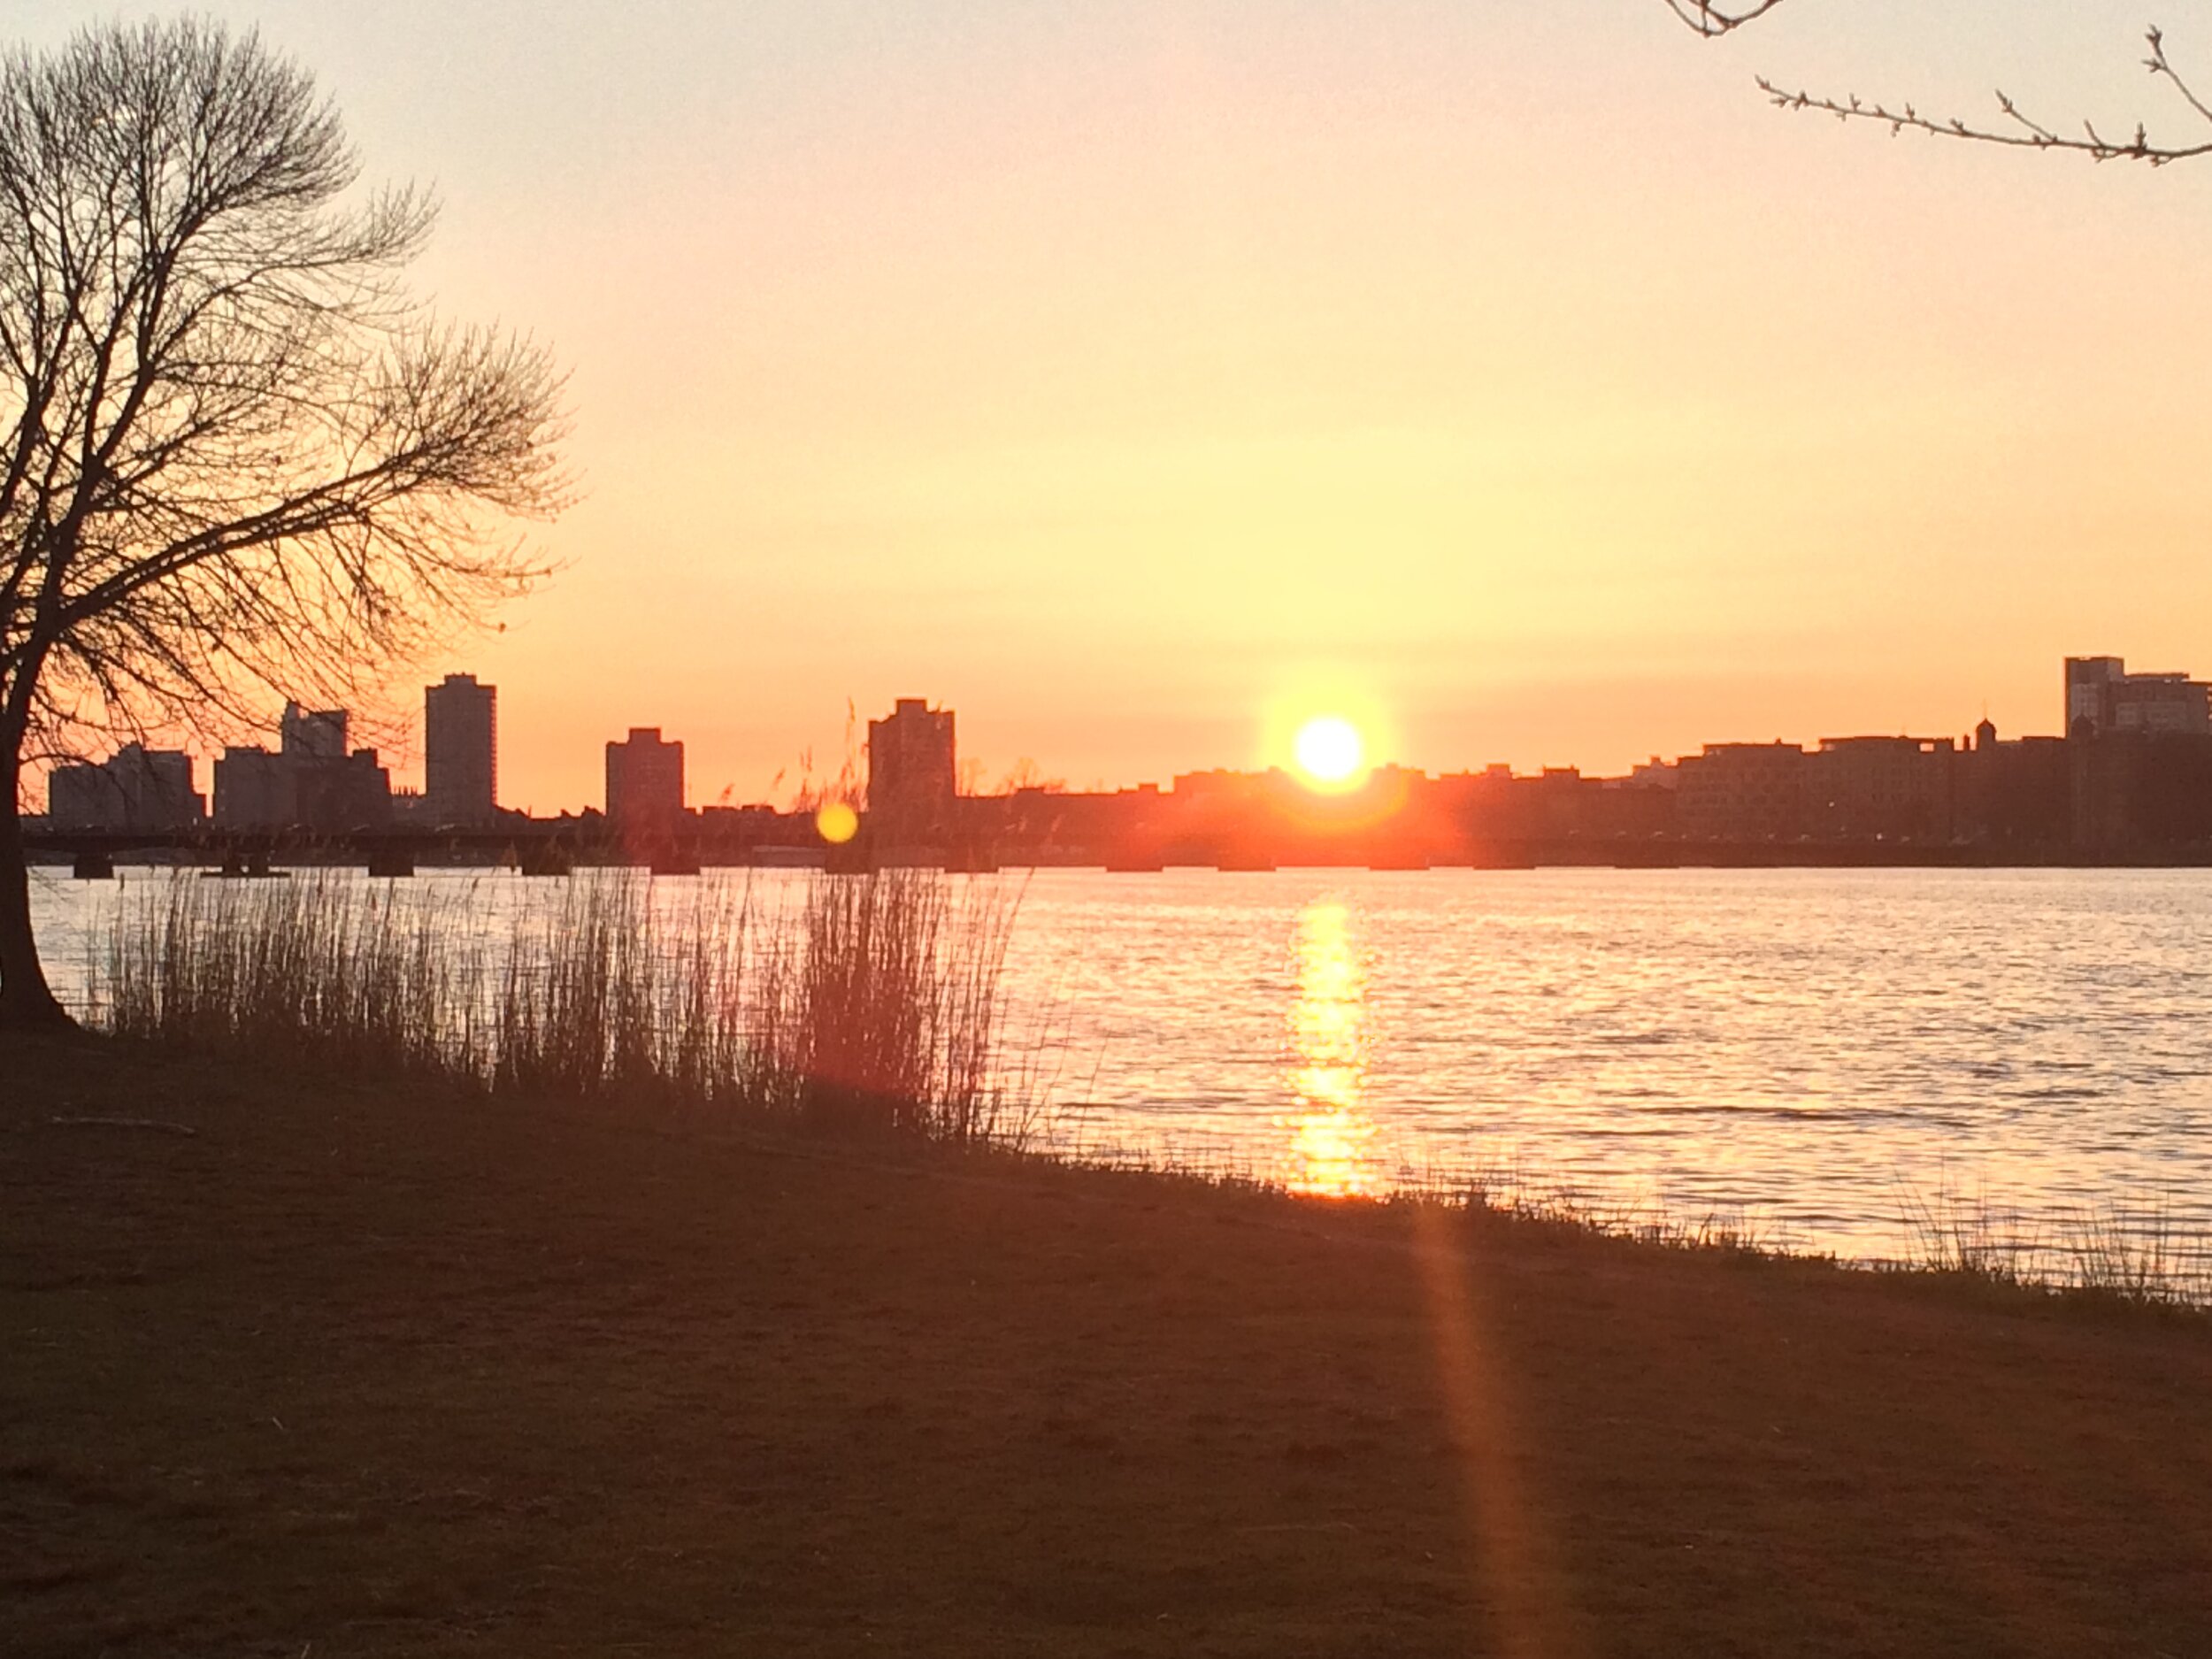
<point>460,728</point>
<point>312,734</point>
<point>312,782</point>
<point>256,790</point>
<point>1880,788</point>
<point>135,788</point>
<point>2141,792</point>
<point>253,789</point>
<point>1056,826</point>
<point>645,780</point>
<point>2139,758</point>
<point>1741,792</point>
<point>911,773</point>
<point>2102,698</point>
<point>2017,795</point>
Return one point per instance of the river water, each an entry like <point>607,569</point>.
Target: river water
<point>1808,1048</point>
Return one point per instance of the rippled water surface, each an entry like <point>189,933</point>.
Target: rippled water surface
<point>1803,1045</point>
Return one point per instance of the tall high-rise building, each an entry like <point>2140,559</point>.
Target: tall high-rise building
<point>645,780</point>
<point>912,771</point>
<point>460,725</point>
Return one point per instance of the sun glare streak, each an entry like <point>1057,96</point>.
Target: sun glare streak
<point>1515,1569</point>
<point>1332,1138</point>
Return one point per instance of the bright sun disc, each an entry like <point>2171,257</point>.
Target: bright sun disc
<point>837,823</point>
<point>1328,750</point>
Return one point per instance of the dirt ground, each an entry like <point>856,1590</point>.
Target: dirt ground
<point>360,1370</point>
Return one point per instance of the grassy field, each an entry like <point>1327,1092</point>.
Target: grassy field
<point>329,1368</point>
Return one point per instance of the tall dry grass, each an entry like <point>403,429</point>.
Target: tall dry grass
<point>870,1004</point>
<point>356,975</point>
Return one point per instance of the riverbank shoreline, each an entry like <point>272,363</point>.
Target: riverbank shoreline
<point>353,1367</point>
<point>1811,1052</point>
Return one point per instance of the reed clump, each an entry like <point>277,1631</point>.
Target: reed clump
<point>1949,1230</point>
<point>2135,1254</point>
<point>882,1009</point>
<point>2110,1251</point>
<point>860,1003</point>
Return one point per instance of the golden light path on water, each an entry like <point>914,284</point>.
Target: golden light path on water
<point>1332,1138</point>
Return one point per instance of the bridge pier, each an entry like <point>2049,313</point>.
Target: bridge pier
<point>854,857</point>
<point>544,861</point>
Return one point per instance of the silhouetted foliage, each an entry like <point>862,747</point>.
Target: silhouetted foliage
<point>2020,130</point>
<point>235,454</point>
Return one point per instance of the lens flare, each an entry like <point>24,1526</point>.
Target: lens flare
<point>1328,750</point>
<point>836,823</point>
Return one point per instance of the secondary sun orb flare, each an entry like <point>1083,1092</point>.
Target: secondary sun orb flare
<point>1328,750</point>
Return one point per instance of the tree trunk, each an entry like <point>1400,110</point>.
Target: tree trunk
<point>27,1003</point>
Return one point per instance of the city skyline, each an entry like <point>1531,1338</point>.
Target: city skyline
<point>1120,374</point>
<point>910,759</point>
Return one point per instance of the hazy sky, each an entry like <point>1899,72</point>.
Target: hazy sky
<point>1131,374</point>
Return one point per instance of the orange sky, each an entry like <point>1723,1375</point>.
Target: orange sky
<point>1124,373</point>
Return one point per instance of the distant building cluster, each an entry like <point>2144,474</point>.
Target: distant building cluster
<point>2131,777</point>
<point>313,781</point>
<point>135,788</point>
<point>1846,791</point>
<point>2102,698</point>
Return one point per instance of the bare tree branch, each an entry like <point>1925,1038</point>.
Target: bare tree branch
<point>2019,131</point>
<point>2023,132</point>
<point>1709,20</point>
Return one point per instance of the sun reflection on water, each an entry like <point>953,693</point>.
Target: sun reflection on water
<point>1332,1151</point>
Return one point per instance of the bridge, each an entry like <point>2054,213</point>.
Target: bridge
<point>559,847</point>
<point>544,847</point>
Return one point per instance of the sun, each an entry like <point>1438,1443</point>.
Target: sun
<point>837,823</point>
<point>1328,750</point>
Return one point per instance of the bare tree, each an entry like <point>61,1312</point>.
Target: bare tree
<point>236,455</point>
<point>1710,17</point>
<point>1025,773</point>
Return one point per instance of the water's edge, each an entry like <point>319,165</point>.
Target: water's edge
<point>1814,1051</point>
